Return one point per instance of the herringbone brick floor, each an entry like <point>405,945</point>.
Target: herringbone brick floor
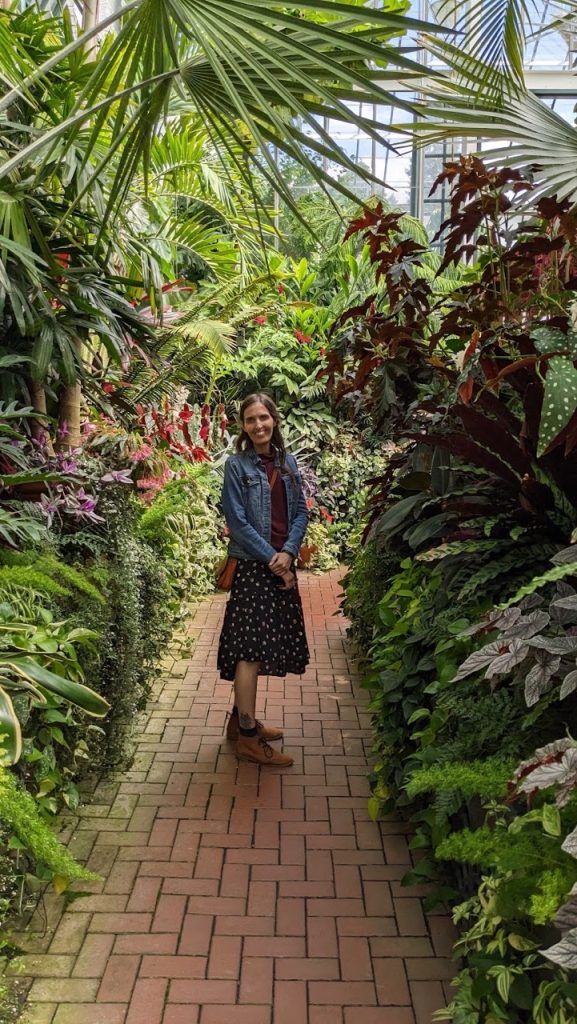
<point>234,895</point>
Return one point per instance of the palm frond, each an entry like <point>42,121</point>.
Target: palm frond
<point>523,132</point>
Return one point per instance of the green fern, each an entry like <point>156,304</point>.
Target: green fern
<point>486,779</point>
<point>19,811</point>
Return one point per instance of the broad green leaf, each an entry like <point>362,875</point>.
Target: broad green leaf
<point>76,693</point>
<point>10,732</point>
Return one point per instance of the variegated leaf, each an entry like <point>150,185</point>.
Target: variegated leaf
<point>505,662</point>
<point>539,678</point>
<point>569,685</point>
<point>570,844</point>
<point>564,952</point>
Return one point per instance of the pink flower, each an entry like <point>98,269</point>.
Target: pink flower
<point>141,453</point>
<point>260,320</point>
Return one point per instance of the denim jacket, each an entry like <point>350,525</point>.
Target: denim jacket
<point>247,507</point>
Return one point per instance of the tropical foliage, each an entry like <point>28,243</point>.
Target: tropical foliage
<point>471,661</point>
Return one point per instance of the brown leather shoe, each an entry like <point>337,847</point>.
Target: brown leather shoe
<point>257,750</point>
<point>266,732</point>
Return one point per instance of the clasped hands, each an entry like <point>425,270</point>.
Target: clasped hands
<point>281,565</point>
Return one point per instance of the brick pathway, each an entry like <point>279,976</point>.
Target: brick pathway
<point>233,897</point>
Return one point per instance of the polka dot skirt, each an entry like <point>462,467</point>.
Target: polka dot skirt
<point>262,623</point>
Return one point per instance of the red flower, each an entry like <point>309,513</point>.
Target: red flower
<point>260,320</point>
<point>108,388</point>
<point>303,338</point>
<point>280,289</point>
<point>326,515</point>
<point>204,432</point>
<point>310,502</point>
<point>322,350</point>
<point>185,414</point>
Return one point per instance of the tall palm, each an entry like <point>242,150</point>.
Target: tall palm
<point>482,93</point>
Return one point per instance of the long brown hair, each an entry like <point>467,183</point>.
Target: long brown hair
<point>243,441</point>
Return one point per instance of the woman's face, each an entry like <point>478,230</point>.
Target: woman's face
<point>258,424</point>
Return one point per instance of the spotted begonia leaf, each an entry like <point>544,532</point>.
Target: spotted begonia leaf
<point>551,339</point>
<point>559,400</point>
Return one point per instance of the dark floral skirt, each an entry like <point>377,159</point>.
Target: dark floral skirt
<point>262,623</point>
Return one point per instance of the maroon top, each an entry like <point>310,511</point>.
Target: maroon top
<point>278,505</point>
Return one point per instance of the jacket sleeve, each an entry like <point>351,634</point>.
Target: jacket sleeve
<point>300,522</point>
<point>233,506</point>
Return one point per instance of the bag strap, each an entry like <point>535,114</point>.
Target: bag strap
<point>273,478</point>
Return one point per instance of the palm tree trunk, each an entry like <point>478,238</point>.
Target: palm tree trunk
<point>89,15</point>
<point>39,429</point>
<point>69,435</point>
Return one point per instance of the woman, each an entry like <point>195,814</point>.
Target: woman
<point>263,631</point>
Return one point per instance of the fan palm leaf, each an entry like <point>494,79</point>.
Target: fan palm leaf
<point>521,132</point>
<point>248,68</point>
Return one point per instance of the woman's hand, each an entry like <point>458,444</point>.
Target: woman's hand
<point>281,563</point>
<point>288,580</point>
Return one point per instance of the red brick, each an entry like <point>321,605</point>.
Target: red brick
<point>348,883</point>
<point>234,880</point>
<point>201,992</point>
<point>173,967</point>
<point>410,918</point>
<point>196,935</point>
<point>244,925</point>
<point>251,856</point>
<point>161,944</point>
<point>335,908</point>
<point>401,947</point>
<point>235,1015</point>
<point>431,969</point>
<point>378,899</point>
<point>325,1015</point>
<point>391,982</point>
<point>147,1005</point>
<point>307,969</point>
<point>339,993</point>
<point>428,996</point>
<point>322,937</point>
<point>380,1015</point>
<point>292,850</point>
<point>118,980</point>
<point>290,918</point>
<point>319,865</point>
<point>262,899</point>
<point>169,914</point>
<point>256,980</point>
<point>177,1014</point>
<point>218,905</point>
<point>269,946</point>
<point>224,959</point>
<point>144,894</point>
<point>355,957</point>
<point>277,873</point>
<point>377,926</point>
<point>209,864</point>
<point>290,1002</point>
